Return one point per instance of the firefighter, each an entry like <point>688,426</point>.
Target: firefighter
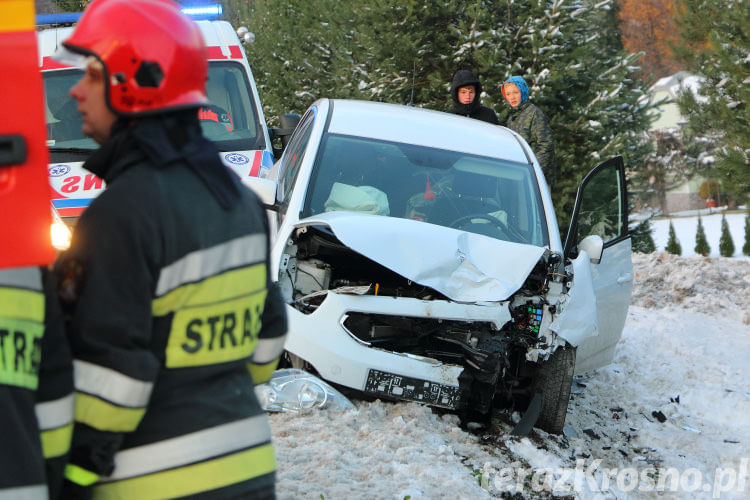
<point>36,385</point>
<point>36,373</point>
<point>173,316</point>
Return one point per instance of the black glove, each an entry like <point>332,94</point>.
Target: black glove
<point>73,491</point>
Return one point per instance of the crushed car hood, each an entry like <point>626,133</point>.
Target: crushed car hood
<point>465,267</point>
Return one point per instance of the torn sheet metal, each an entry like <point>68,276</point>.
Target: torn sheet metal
<point>578,321</point>
<point>465,267</point>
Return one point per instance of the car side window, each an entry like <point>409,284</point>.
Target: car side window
<point>601,207</point>
<point>292,159</point>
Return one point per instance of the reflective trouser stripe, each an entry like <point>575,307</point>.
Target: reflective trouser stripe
<point>37,492</point>
<point>56,442</point>
<point>192,479</point>
<point>190,448</point>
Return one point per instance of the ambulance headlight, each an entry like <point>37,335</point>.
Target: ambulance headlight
<point>60,234</point>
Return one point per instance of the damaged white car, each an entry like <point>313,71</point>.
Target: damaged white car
<point>421,260</point>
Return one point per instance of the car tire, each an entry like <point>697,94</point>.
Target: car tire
<point>553,380</point>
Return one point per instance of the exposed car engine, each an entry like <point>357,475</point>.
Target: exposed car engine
<point>498,360</point>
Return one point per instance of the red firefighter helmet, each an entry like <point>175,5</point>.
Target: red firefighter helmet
<point>154,56</point>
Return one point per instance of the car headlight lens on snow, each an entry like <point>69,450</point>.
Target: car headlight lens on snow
<point>293,390</point>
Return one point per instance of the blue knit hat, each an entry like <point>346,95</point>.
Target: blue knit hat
<point>520,83</point>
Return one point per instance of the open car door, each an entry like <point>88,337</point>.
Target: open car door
<point>24,188</point>
<point>601,209</point>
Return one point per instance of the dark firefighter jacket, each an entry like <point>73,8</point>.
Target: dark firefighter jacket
<point>462,78</point>
<point>36,386</point>
<point>172,300</point>
<point>530,123</point>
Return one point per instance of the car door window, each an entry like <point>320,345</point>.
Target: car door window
<point>292,160</point>
<point>601,205</point>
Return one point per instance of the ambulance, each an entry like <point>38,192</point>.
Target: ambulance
<point>234,119</point>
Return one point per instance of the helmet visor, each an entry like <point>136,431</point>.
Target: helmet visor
<point>70,58</point>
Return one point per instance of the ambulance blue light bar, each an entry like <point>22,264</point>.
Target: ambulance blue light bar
<point>59,18</point>
<point>205,12</point>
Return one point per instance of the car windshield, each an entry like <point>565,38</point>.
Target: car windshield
<point>231,120</point>
<point>490,196</point>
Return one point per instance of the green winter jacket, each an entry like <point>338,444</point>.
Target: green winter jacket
<point>530,122</point>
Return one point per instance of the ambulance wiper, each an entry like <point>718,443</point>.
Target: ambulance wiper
<point>86,151</point>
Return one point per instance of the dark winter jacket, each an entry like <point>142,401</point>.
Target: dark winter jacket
<point>462,78</point>
<point>530,123</point>
<point>36,386</point>
<point>172,302</point>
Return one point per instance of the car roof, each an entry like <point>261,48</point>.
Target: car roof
<point>412,125</point>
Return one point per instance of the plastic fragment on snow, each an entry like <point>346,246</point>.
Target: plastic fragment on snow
<point>658,415</point>
<point>691,429</point>
<point>591,433</point>
<point>570,432</point>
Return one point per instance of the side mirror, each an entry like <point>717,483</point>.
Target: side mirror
<point>593,245</point>
<point>265,189</point>
<point>289,122</point>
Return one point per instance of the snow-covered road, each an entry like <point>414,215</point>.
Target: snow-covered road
<point>683,359</point>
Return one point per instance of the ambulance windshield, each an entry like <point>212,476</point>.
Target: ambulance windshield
<point>231,120</point>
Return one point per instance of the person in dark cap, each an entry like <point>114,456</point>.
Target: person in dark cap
<point>465,92</point>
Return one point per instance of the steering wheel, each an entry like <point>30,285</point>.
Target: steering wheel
<point>507,232</point>
<point>502,226</point>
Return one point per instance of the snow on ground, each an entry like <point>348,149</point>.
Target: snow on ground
<point>669,418</point>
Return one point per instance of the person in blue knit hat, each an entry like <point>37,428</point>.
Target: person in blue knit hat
<point>530,122</point>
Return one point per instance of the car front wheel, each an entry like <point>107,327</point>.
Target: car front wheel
<point>553,381</point>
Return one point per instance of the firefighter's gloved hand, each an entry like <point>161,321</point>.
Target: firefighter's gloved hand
<point>73,491</point>
<point>77,483</point>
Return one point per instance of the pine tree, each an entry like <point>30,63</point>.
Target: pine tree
<point>746,246</point>
<point>302,51</point>
<point>718,36</point>
<point>642,238</point>
<point>726,244</point>
<point>387,50</point>
<point>701,244</point>
<point>673,244</point>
